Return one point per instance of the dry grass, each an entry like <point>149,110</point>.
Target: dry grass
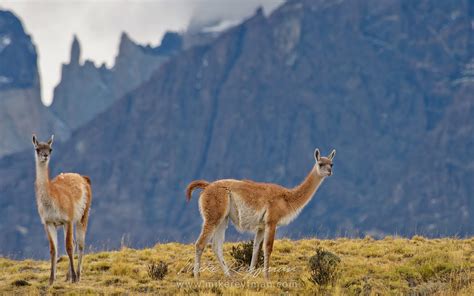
<point>391,266</point>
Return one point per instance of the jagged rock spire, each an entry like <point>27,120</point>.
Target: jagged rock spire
<point>125,43</point>
<point>75,51</point>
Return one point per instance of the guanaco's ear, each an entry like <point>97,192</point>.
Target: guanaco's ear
<point>50,141</point>
<point>317,154</point>
<point>332,154</point>
<point>35,140</point>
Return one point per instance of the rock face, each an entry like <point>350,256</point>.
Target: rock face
<point>17,55</point>
<point>85,90</point>
<point>386,83</point>
<point>21,110</point>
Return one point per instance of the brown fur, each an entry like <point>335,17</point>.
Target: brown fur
<point>85,216</point>
<point>63,201</point>
<point>66,191</point>
<point>266,206</point>
<point>193,185</point>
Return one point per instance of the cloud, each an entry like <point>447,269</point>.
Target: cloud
<point>205,11</point>
<point>98,25</point>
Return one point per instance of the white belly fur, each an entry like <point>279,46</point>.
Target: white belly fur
<point>244,217</point>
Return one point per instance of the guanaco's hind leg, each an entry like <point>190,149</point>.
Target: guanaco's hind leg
<point>206,233</point>
<point>70,250</point>
<point>218,244</point>
<point>81,228</point>
<point>257,243</point>
<point>214,204</point>
<point>53,249</point>
<point>68,274</point>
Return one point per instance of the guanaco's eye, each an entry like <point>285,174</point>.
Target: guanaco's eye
<point>50,150</point>
<point>37,150</point>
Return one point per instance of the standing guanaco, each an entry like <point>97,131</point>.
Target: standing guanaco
<point>64,201</point>
<point>254,207</point>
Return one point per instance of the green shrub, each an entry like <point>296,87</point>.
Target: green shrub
<point>324,267</point>
<point>242,254</point>
<point>158,271</point>
<point>20,283</point>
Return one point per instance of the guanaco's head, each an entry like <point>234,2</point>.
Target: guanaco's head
<point>324,164</point>
<point>43,150</point>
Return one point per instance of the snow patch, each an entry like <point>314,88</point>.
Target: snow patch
<point>223,25</point>
<point>467,74</point>
<point>22,230</point>
<point>455,14</point>
<point>4,79</point>
<point>4,42</point>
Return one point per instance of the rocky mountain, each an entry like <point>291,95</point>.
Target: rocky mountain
<point>21,110</point>
<point>86,90</point>
<point>386,83</point>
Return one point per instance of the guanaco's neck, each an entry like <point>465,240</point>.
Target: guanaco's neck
<point>303,193</point>
<point>42,175</point>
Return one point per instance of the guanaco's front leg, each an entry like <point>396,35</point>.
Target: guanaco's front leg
<point>270,229</point>
<point>53,249</point>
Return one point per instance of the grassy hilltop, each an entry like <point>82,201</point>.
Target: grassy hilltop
<point>391,266</point>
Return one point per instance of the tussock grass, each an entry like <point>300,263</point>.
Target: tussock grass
<point>242,255</point>
<point>392,266</point>
<point>157,271</point>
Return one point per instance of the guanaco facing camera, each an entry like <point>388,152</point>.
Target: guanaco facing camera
<point>64,201</point>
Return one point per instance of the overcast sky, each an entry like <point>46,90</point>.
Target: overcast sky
<point>98,25</point>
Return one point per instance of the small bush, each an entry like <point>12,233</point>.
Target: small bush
<point>242,254</point>
<point>20,283</point>
<point>324,267</point>
<point>158,271</point>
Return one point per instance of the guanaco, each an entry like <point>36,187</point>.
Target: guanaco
<point>255,207</point>
<point>64,201</point>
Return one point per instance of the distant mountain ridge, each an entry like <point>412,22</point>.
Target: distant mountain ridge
<point>21,111</point>
<point>382,82</point>
<point>85,90</point>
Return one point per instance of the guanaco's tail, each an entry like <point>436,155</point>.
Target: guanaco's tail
<point>88,180</point>
<point>85,216</point>
<point>193,185</point>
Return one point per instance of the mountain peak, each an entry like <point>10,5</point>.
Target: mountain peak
<point>172,41</point>
<point>125,41</point>
<point>75,51</point>
<point>127,47</point>
<point>10,23</point>
<point>18,67</point>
